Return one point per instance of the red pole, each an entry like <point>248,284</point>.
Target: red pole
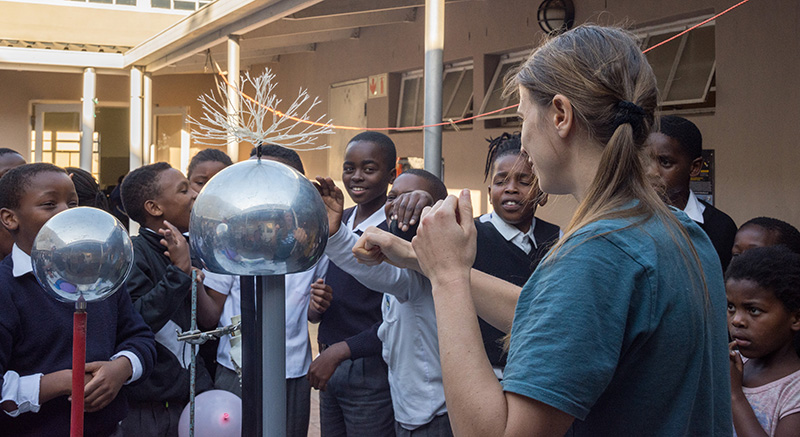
<point>78,366</point>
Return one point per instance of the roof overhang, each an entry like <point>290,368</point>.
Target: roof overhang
<point>209,27</point>
<point>61,61</point>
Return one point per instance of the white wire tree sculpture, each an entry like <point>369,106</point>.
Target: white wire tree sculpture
<point>258,121</point>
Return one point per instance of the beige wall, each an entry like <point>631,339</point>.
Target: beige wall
<point>754,129</point>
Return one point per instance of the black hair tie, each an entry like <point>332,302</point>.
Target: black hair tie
<point>631,113</point>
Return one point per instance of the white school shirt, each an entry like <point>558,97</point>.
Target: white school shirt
<point>24,390</point>
<point>298,295</point>
<point>408,332</point>
<point>511,233</point>
<point>694,209</point>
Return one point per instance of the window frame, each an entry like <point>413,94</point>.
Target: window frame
<point>505,59</point>
<point>462,66</point>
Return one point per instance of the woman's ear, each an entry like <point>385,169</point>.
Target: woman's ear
<point>562,115</point>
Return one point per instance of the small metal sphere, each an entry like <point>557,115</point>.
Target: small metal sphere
<point>82,252</point>
<point>258,217</point>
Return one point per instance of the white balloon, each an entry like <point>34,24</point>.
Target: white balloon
<point>217,413</point>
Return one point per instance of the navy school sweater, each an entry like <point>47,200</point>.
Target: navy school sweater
<point>161,293</point>
<point>355,311</point>
<point>36,337</point>
<point>502,259</point>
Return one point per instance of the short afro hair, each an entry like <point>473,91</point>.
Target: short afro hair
<point>783,232</point>
<point>88,190</point>
<point>437,188</point>
<point>139,186</point>
<point>281,154</point>
<point>7,151</point>
<point>775,268</point>
<point>208,155</point>
<point>384,143</point>
<point>685,133</point>
<point>14,183</point>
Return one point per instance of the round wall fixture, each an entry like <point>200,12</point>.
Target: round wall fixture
<point>556,16</point>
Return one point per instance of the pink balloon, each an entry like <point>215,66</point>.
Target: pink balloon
<point>217,413</point>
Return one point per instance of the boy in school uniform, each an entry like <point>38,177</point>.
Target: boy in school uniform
<point>408,331</point>
<point>298,347</point>
<point>677,149</point>
<point>355,397</point>
<point>160,199</point>
<point>35,328</point>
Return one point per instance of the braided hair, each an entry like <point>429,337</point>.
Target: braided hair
<point>88,190</point>
<point>505,144</point>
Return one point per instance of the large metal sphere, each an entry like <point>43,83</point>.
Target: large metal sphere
<point>82,252</point>
<point>259,217</point>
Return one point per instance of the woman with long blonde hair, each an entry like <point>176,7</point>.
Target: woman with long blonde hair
<point>621,328</point>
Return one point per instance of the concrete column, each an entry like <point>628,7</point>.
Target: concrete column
<point>87,118</point>
<point>136,110</point>
<point>233,97</point>
<point>147,117</point>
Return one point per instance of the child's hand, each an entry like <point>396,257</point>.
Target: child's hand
<point>322,368</point>
<point>177,247</point>
<point>333,198</point>
<point>321,296</point>
<point>737,368</point>
<point>107,378</point>
<point>407,208</point>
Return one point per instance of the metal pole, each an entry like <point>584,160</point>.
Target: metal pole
<point>251,360</point>
<point>272,306</point>
<point>87,118</point>
<point>233,97</point>
<point>434,49</point>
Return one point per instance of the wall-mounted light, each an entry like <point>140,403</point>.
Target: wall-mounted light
<point>556,16</point>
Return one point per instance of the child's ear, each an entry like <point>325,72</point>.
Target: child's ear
<point>9,219</point>
<point>796,321</point>
<point>489,192</point>
<point>392,175</point>
<point>152,208</point>
<point>696,167</point>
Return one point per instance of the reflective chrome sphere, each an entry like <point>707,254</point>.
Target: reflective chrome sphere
<point>82,252</point>
<point>259,217</point>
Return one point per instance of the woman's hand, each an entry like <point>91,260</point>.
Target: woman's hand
<point>446,240</point>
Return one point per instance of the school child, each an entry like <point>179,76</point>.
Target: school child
<point>204,165</point>
<point>160,199</point>
<point>677,149</point>
<point>621,328</point>
<point>765,231</point>
<point>355,397</point>
<point>408,331</point>
<point>88,190</point>
<point>9,159</point>
<point>764,324</point>
<point>36,329</point>
<point>298,347</point>
<point>511,241</point>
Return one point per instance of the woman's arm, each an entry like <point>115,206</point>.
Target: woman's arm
<point>446,248</point>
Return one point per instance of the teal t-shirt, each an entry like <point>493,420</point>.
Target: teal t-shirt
<point>614,332</point>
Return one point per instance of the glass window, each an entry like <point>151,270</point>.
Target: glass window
<point>493,100</point>
<point>456,95</point>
